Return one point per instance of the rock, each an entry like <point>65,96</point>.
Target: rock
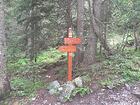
<point>33,98</point>
<point>65,94</point>
<point>60,89</point>
<point>53,87</point>
<point>78,82</point>
<point>53,91</point>
<point>110,87</point>
<point>136,92</point>
<point>58,103</point>
<point>102,90</point>
<point>127,87</point>
<point>45,101</point>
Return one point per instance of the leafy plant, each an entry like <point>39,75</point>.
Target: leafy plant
<point>120,68</point>
<point>49,56</point>
<point>107,82</point>
<point>25,87</point>
<point>24,82</point>
<point>81,90</point>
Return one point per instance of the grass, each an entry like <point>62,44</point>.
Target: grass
<point>118,69</point>
<point>121,68</point>
<point>25,87</point>
<point>24,77</point>
<point>50,56</point>
<point>22,64</point>
<point>81,91</point>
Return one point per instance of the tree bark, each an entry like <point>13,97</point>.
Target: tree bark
<point>79,55</point>
<point>96,21</point>
<point>90,53</point>
<point>68,15</point>
<point>4,83</point>
<point>31,51</point>
<point>135,38</point>
<point>91,49</point>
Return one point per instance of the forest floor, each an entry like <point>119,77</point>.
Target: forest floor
<point>113,82</point>
<point>119,96</point>
<point>128,94</point>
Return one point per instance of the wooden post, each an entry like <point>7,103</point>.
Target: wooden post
<point>69,48</point>
<point>70,58</point>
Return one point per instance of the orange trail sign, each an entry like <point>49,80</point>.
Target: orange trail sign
<point>69,48</point>
<point>72,41</point>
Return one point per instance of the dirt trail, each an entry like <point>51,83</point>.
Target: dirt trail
<point>121,96</point>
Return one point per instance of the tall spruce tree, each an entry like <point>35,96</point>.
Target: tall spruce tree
<point>4,83</point>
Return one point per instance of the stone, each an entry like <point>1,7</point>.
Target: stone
<point>65,94</point>
<point>45,101</point>
<point>78,82</point>
<point>60,89</point>
<point>127,87</point>
<point>58,103</point>
<point>33,98</point>
<point>110,87</point>
<point>53,91</point>
<point>136,93</point>
<point>135,90</point>
<point>53,87</point>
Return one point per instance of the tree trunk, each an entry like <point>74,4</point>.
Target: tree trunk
<point>91,49</point>
<point>68,15</point>
<point>135,38</point>
<point>31,52</point>
<point>90,53</point>
<point>96,21</point>
<point>79,55</point>
<point>4,83</point>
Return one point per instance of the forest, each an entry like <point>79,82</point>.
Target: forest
<point>100,67</point>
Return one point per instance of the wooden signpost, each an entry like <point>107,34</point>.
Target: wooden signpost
<point>70,48</point>
<point>67,48</point>
<point>72,41</point>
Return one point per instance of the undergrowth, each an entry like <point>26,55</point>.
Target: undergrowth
<point>22,64</point>
<point>25,87</point>
<point>120,69</point>
<point>24,75</point>
<point>81,91</point>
